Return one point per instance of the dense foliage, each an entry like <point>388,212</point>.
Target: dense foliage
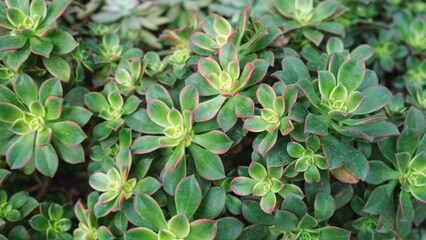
<point>212,119</point>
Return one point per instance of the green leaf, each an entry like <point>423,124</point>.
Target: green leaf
<point>244,106</point>
<point>40,46</point>
<point>12,42</point>
<point>25,88</point>
<point>46,160</point>
<point>39,223</point>
<point>378,200</point>
<point>145,144</point>
<point>43,137</point>
<point>227,53</point>
<point>242,185</point>
<point>99,181</point>
<point>408,141</point>
<point>38,7</point>
<point>293,70</point>
<point>148,185</point>
<point>407,209</point>
<point>18,57</point>
<point>58,67</point>
<point>312,174</point>
<point>307,222</point>
<point>208,65</point>
<point>188,98</point>
<point>316,124</point>
<point>324,206</point>
<point>70,155</point>
<point>208,109</point>
<point>214,141</point>
<point>19,154</point>
<point>158,112</point>
<point>50,88</point>
<point>313,35</point>
<point>149,209</point>
<point>228,228</point>
<point>376,98</point>
<point>267,143</point>
<point>334,233</point>
<point>226,118</point>
<point>326,82</point>
<point>55,10</point>
<point>257,171</point>
<point>255,124</point>
<point>266,95</point>
<point>131,104</point>
<point>140,121</point>
<point>68,132</point>
<point>209,165</point>
<point>55,211</point>
<point>9,113</point>
<point>53,108</point>
<point>188,196</point>
<point>339,153</point>
<point>286,221</point>
<point>202,230</point>
<point>179,225</point>
<point>268,201</point>
<point>96,101</point>
<point>380,172</point>
<point>212,204</point>
<point>334,44</point>
<point>140,233</point>
<point>175,157</point>
<point>62,41</point>
<point>351,73</point>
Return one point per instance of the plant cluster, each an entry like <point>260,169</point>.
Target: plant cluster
<point>212,120</point>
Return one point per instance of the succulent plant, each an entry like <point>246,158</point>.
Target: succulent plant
<point>52,222</point>
<point>136,19</point>
<point>37,128</point>
<point>32,28</point>
<point>301,15</point>
<point>177,133</point>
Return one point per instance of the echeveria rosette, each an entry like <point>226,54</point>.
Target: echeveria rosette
<point>301,14</point>
<point>273,115</point>
<point>39,129</point>
<point>88,228</point>
<point>224,82</point>
<point>51,222</point>
<point>112,109</point>
<point>177,227</point>
<point>129,74</point>
<point>114,185</point>
<point>217,32</point>
<point>33,29</point>
<point>264,183</point>
<point>387,51</point>
<point>169,128</point>
<point>404,163</point>
<point>347,91</point>
<point>416,72</point>
<point>18,206</point>
<point>134,19</point>
<point>307,160</point>
<point>294,221</point>
<point>369,226</point>
<point>318,61</point>
<point>413,30</point>
<point>416,97</point>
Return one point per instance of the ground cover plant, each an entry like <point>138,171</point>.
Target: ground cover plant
<point>212,119</point>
